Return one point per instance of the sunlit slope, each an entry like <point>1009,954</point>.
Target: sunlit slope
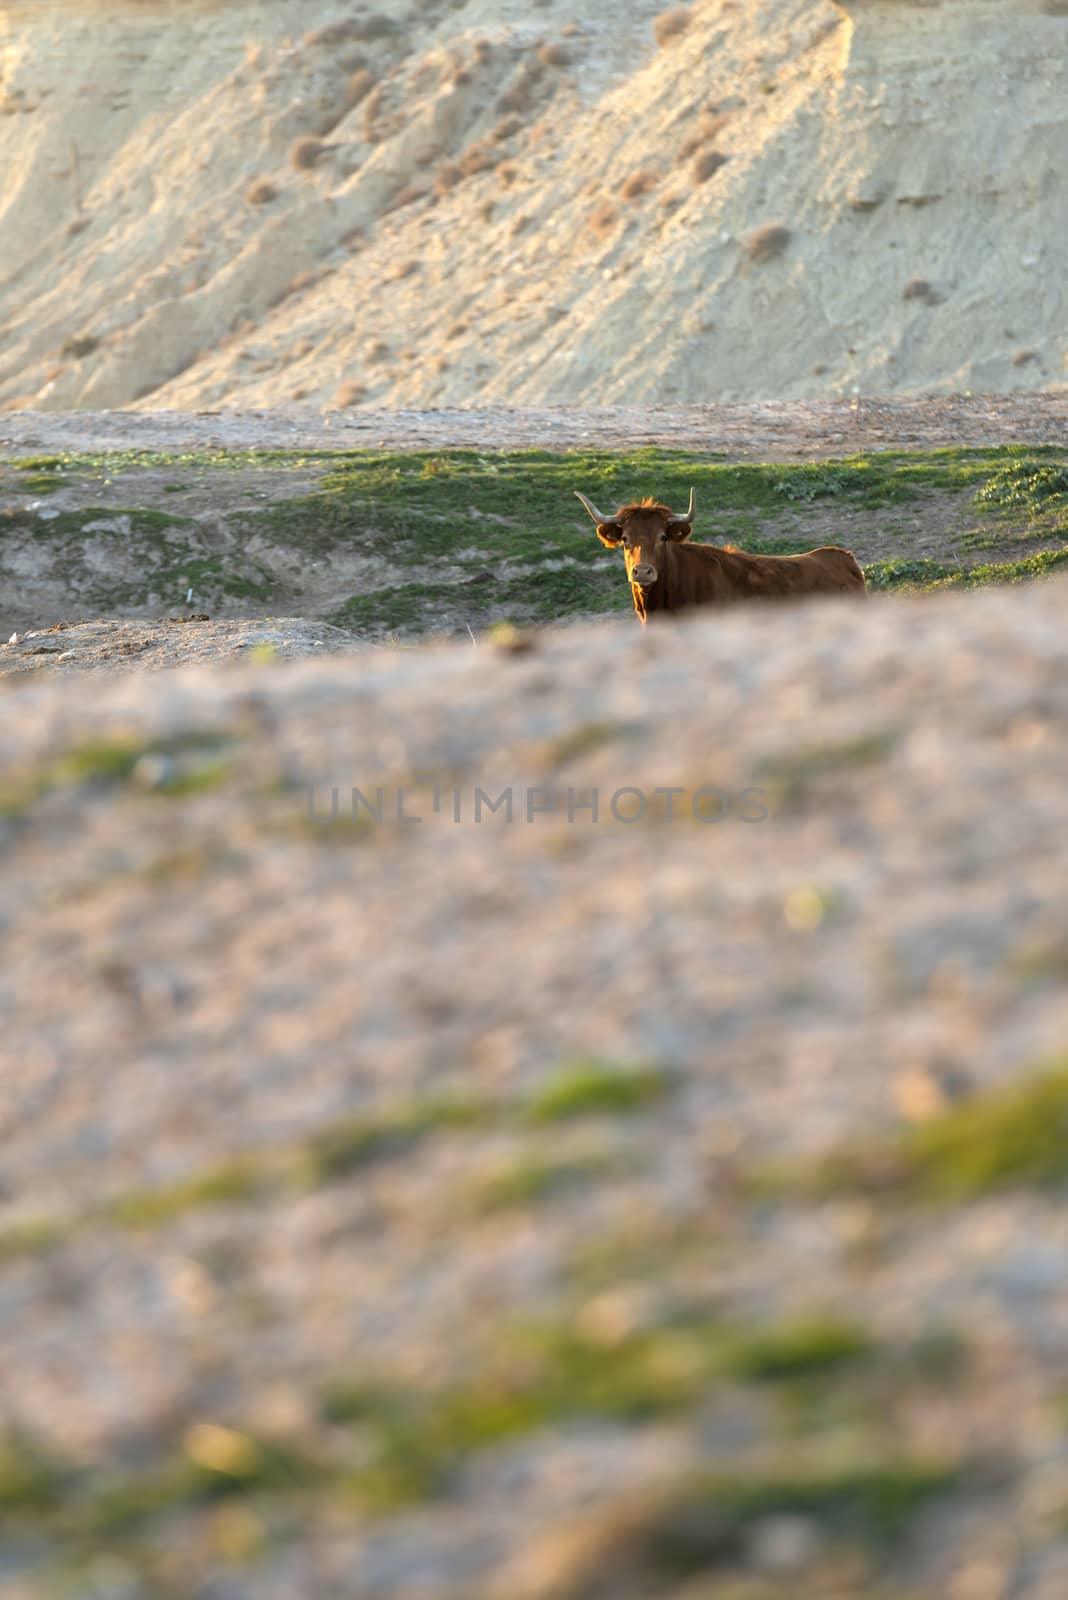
<point>515,204</point>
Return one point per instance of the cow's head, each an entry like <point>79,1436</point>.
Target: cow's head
<point>645,530</point>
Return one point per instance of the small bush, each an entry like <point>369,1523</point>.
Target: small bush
<point>706,163</point>
<point>305,153</point>
<point>554,55</point>
<point>507,172</point>
<point>920,289</point>
<point>350,392</point>
<point>261,193</point>
<point>638,183</point>
<point>457,330</point>
<point>671,23</point>
<point>1026,485</point>
<point>507,129</point>
<point>765,243</point>
<point>603,220</point>
<point>80,345</point>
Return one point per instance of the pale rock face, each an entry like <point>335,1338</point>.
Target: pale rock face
<point>501,228</point>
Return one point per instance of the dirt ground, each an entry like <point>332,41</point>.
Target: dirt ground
<point>759,431</point>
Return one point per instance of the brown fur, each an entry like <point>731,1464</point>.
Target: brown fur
<point>689,575</point>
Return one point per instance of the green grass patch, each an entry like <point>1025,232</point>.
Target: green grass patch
<point>1016,1137</point>
<point>234,1183</point>
<point>402,606</point>
<point>905,572</point>
<point>33,1237</point>
<point>30,1481</point>
<point>588,736</point>
<point>215,1464</point>
<point>41,483</point>
<point>552,1375</point>
<point>705,1525</point>
<point>791,774</point>
<point>808,1347</point>
<point>586,1088</point>
<point>356,1142</point>
<point>1028,486</point>
<point>528,1179</point>
<point>114,761</point>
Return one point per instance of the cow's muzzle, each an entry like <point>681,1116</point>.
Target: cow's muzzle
<point>643,576</point>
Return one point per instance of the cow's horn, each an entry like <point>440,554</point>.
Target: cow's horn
<point>597,516</point>
<point>692,512</point>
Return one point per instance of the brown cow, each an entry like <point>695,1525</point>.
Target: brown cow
<point>666,574</point>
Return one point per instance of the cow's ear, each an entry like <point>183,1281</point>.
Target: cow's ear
<point>677,530</point>
<point>610,533</point>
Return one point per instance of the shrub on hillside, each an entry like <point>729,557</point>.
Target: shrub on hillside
<point>603,220</point>
<point>920,289</point>
<point>766,242</point>
<point>304,153</point>
<point>261,192</point>
<point>554,55</point>
<point>349,393</point>
<point>706,162</point>
<point>669,24</point>
<point>638,183</point>
<point>80,345</point>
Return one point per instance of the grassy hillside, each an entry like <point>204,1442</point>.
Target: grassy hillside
<point>405,544</point>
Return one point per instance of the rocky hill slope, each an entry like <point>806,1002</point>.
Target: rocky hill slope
<point>523,1204</point>
<point>216,202</point>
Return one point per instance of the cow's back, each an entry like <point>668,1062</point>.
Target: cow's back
<point>837,568</point>
<point>722,576</point>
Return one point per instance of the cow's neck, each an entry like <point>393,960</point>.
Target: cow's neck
<point>656,597</point>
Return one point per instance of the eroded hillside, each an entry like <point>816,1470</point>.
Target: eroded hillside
<point>209,204</point>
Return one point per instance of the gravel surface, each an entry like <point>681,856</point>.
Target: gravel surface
<point>771,429</point>
<point>111,643</point>
<point>203,983</point>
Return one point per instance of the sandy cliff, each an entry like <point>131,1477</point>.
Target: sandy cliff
<point>515,202</point>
